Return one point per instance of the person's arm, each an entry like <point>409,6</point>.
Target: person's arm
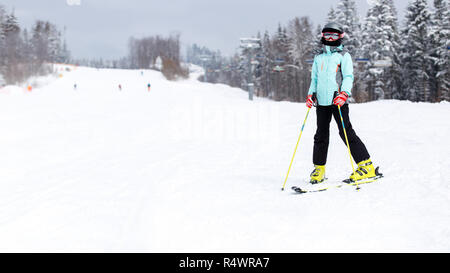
<point>347,74</point>
<point>313,85</point>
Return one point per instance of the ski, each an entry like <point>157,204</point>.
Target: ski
<point>346,182</point>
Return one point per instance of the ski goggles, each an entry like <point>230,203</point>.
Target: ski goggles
<point>333,36</point>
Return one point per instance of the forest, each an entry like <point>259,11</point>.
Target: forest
<point>28,52</point>
<point>390,61</point>
<point>405,60</point>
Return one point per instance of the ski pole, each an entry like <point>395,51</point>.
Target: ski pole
<point>295,150</point>
<point>346,140</point>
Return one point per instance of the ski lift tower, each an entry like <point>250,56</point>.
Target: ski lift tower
<point>204,59</point>
<point>250,46</point>
<point>374,66</point>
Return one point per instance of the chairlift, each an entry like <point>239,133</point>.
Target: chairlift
<point>250,40</point>
<point>278,68</point>
<point>205,58</point>
<point>362,60</point>
<point>250,43</point>
<point>383,63</point>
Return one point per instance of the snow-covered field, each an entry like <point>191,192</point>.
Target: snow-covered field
<point>197,167</point>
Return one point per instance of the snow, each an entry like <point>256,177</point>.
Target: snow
<point>197,167</point>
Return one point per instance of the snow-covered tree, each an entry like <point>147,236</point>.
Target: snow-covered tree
<point>265,59</point>
<point>40,43</point>
<point>2,41</point>
<point>300,48</point>
<point>54,43</point>
<point>280,53</point>
<point>416,54</point>
<point>331,16</point>
<point>347,16</point>
<point>392,74</point>
<point>317,43</point>
<point>372,45</point>
<point>10,53</point>
<point>440,42</point>
<point>380,43</point>
<point>23,52</point>
<point>64,54</point>
<point>26,53</point>
<point>2,21</point>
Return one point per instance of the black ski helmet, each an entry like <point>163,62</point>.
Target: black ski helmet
<point>333,27</point>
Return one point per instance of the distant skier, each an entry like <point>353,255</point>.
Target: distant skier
<point>120,87</point>
<point>331,84</point>
<point>75,86</point>
<point>148,87</point>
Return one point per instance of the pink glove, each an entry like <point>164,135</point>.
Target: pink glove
<point>340,99</point>
<point>309,101</point>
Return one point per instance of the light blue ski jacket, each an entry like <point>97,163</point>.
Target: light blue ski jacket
<point>332,71</point>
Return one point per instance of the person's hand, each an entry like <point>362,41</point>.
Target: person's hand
<point>310,101</point>
<point>340,99</point>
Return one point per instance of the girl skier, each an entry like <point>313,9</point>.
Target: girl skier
<point>331,84</point>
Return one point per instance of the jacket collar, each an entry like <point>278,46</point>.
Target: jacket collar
<point>332,49</point>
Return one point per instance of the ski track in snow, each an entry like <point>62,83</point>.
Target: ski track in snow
<point>197,167</point>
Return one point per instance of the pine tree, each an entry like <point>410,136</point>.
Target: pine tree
<point>2,37</point>
<point>39,44</point>
<point>347,16</point>
<point>54,43</point>
<point>381,43</point>
<point>317,43</point>
<point>11,54</point>
<point>300,48</point>
<point>372,44</point>
<point>26,54</point>
<point>64,55</point>
<point>392,74</point>
<point>280,47</point>
<point>416,55</point>
<point>266,64</point>
<point>440,42</point>
<point>331,16</point>
<point>22,53</point>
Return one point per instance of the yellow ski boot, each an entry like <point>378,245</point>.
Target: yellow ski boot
<point>365,171</point>
<point>318,175</point>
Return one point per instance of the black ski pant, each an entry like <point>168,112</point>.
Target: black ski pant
<point>322,136</point>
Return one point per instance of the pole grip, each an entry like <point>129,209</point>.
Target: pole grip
<point>314,99</point>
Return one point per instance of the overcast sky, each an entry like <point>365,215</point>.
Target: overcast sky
<point>101,28</point>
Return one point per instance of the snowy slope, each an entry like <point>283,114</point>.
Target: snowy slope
<point>197,167</point>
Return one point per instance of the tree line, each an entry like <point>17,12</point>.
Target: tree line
<point>25,53</point>
<point>157,52</point>
<point>390,61</point>
<point>150,52</point>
